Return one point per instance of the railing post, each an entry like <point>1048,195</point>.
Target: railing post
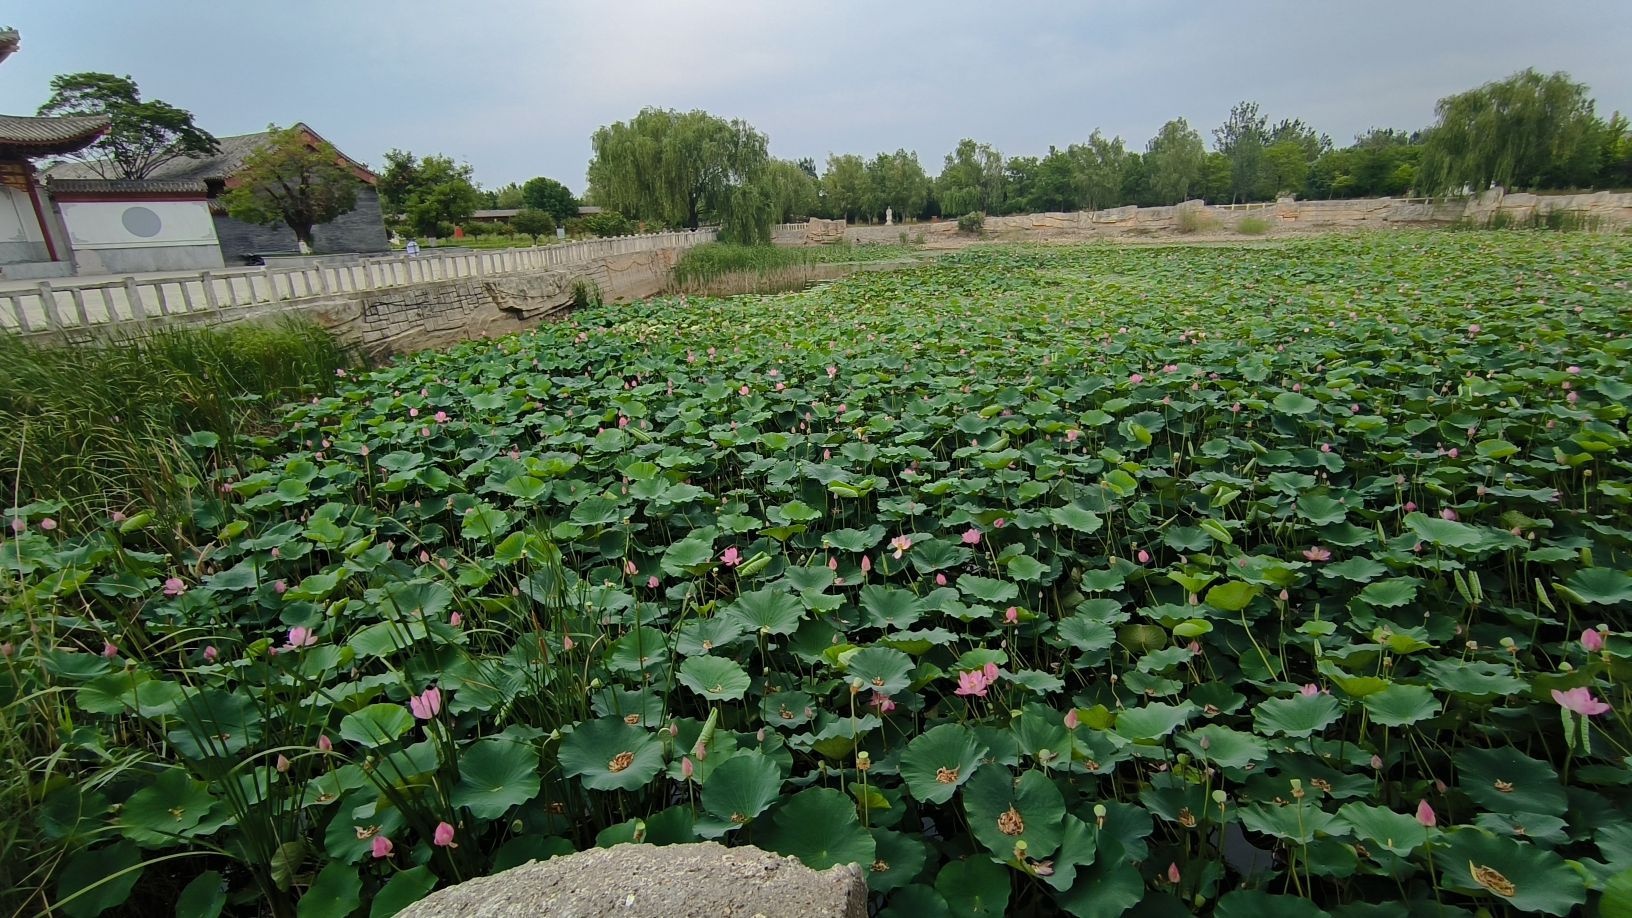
<point>271,285</point>
<point>79,307</point>
<point>18,312</point>
<point>133,295</point>
<point>48,302</point>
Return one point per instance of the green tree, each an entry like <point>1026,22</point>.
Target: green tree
<point>844,186</point>
<point>973,178</point>
<point>1616,140</point>
<point>680,168</point>
<point>1242,137</point>
<point>794,192</point>
<point>1173,162</point>
<point>1054,186</point>
<point>295,179</point>
<point>429,193</point>
<point>550,196</point>
<point>533,222</point>
<point>143,136</point>
<point>897,182</point>
<point>1097,168</point>
<point>505,197</point>
<point>1527,131</point>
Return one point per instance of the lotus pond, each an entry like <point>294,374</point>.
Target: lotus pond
<point>1257,581</point>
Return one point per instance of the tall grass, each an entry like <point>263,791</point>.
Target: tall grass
<point>99,427</point>
<point>705,264</point>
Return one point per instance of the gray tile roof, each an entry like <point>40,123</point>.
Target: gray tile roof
<point>123,186</point>
<point>36,136</point>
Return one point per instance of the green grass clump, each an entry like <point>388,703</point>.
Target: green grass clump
<point>707,263</point>
<point>98,427</point>
<point>1252,226</point>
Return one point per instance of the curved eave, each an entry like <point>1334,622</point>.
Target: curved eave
<point>28,137</point>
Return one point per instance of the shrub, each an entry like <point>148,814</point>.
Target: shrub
<point>1252,226</point>
<point>533,223</point>
<point>1194,220</point>
<point>607,223</point>
<point>972,223</point>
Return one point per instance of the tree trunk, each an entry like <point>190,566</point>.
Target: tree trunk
<point>303,238</point>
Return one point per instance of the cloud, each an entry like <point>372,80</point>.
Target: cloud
<point>517,88</point>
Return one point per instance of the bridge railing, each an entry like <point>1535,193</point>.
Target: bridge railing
<point>65,304</point>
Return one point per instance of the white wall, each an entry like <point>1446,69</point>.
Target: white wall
<point>137,224</point>
<point>20,236</point>
<point>128,237</point>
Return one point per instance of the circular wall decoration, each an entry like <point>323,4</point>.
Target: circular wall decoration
<point>141,221</point>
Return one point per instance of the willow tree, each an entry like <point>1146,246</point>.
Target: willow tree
<point>682,168</point>
<point>1527,131</point>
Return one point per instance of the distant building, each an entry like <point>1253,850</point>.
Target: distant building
<point>360,230</point>
<point>506,214</point>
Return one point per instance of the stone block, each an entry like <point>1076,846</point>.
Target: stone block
<point>703,880</point>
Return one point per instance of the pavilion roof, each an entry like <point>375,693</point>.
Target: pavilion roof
<point>30,136</point>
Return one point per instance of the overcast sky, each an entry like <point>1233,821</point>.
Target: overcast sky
<point>517,88</point>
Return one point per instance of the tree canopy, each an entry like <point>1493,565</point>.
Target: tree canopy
<point>145,134</point>
<point>1173,161</point>
<point>550,196</point>
<point>533,222</point>
<point>682,168</point>
<point>1528,130</point>
<point>294,179</point>
<point>974,178</point>
<point>430,194</point>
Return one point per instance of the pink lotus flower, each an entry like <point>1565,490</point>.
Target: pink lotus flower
<point>1173,873</point>
<point>971,536</point>
<point>686,768</point>
<point>975,682</point>
<point>413,412</point>
<point>744,390</point>
<point>900,544</point>
<point>999,523</point>
<point>567,642</point>
<point>210,654</point>
<point>116,517</point>
<point>1309,690</point>
<point>1410,506</point>
<point>731,557</point>
<point>832,372</point>
<point>1377,763</point>
<point>280,587</point>
<point>456,620</point>
<point>1071,719</point>
<point>832,563</point>
<point>1573,370</point>
<point>427,704</point>
<point>325,744</point>
<point>109,650</point>
<point>174,587</point>
<point>1580,701</point>
<point>866,564</point>
<point>1011,615</point>
<point>1317,553</point>
<point>300,637</point>
<point>382,847</point>
<point>1136,378</point>
<point>1143,556</point>
<point>48,524</point>
<point>1592,640</point>
<point>940,580</point>
<point>1453,452</point>
<point>1448,514</point>
<point>881,703</point>
<point>443,838</point>
<point>1425,814</point>
<point>441,417</point>
<point>652,582</point>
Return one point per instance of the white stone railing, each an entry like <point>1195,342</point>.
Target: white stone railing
<point>67,304</point>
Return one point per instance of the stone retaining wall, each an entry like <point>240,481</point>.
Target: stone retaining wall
<point>1601,210</point>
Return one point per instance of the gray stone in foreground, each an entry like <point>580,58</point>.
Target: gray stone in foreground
<point>645,881</point>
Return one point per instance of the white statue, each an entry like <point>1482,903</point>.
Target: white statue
<point>889,216</point>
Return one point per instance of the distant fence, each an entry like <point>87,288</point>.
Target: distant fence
<point>67,304</point>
